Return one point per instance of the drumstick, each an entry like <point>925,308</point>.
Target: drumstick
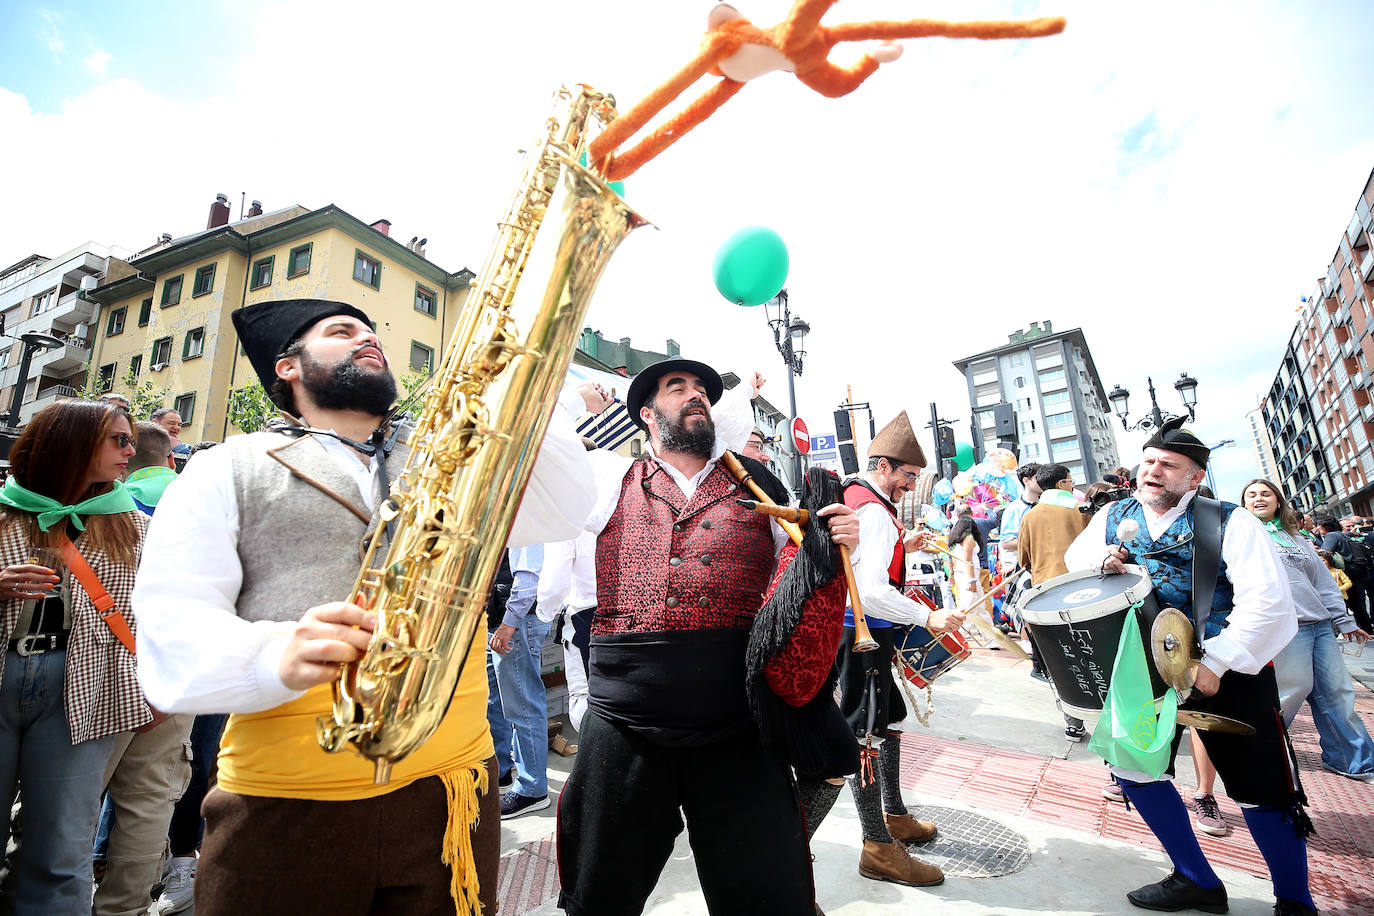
<point>985,625</point>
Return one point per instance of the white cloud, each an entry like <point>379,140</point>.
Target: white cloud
<point>51,34</point>
<point>98,62</point>
<point>964,191</point>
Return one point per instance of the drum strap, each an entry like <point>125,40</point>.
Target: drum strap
<point>1206,560</point>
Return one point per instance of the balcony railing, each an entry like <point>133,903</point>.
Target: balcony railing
<point>45,398</point>
<point>1367,267</point>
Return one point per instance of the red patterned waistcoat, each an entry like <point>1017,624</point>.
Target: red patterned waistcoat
<point>667,563</point>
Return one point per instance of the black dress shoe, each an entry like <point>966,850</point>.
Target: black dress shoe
<point>1176,893</point>
<point>1285,907</point>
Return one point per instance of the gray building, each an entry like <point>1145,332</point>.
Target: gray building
<point>1056,400</point>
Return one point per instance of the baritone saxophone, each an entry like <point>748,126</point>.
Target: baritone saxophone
<point>475,441</point>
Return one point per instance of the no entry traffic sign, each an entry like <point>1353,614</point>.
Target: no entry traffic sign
<point>800,436</point>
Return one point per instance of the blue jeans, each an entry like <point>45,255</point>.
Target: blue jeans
<point>60,784</point>
<point>1310,668</point>
<point>496,720</point>
<point>524,704</point>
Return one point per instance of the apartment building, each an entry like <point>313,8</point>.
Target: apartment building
<point>1318,412</point>
<point>1259,441</point>
<point>169,320</point>
<point>1059,409</point>
<point>43,295</point>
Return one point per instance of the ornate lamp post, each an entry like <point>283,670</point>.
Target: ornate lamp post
<point>789,336</point>
<point>1186,386</point>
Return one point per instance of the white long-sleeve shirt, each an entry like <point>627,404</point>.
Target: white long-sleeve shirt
<point>189,580</point>
<point>877,540</point>
<point>569,575</point>
<point>1262,620</point>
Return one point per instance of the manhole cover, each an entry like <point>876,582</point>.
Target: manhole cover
<point>970,845</point>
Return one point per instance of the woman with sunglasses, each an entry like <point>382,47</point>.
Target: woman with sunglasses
<point>1310,667</point>
<point>67,682</point>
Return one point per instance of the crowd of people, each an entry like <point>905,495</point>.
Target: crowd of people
<point>176,628</point>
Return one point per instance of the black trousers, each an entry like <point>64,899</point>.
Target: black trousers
<point>1357,601</point>
<point>623,807</point>
<point>1258,769</point>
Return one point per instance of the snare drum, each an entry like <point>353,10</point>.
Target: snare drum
<point>921,657</point>
<point>1076,621</point>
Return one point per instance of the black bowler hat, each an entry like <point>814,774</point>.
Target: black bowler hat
<point>646,383</point>
<point>268,328</point>
<point>1172,438</point>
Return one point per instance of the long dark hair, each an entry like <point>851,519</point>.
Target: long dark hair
<point>1288,516</point>
<point>963,526</point>
<point>53,457</point>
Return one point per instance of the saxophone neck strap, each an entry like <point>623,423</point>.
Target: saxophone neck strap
<point>104,604</point>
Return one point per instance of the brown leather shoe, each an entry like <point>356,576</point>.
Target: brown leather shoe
<point>906,828</point>
<point>891,862</point>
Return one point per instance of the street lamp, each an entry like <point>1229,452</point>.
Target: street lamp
<point>792,346</point>
<point>1186,386</point>
<point>32,342</point>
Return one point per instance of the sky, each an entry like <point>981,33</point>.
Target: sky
<point>1170,177</point>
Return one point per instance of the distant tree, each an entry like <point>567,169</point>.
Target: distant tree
<point>144,397</point>
<point>250,408</point>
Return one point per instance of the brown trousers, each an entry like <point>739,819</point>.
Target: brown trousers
<point>380,855</point>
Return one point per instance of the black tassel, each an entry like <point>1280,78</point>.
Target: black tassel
<point>796,733</point>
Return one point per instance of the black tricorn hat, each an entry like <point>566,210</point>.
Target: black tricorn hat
<point>646,383</point>
<point>1171,437</point>
<point>268,328</point>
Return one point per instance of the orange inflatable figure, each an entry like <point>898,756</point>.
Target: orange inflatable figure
<point>737,51</point>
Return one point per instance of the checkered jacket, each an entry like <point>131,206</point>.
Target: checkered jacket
<point>101,687</point>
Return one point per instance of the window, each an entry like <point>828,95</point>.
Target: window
<point>107,378</point>
<point>162,353</point>
<point>1020,382</point>
<point>424,300</point>
<point>262,273</point>
<point>194,345</point>
<point>1027,426</point>
<point>1016,359</point>
<point>367,270</point>
<point>185,406</point>
<point>421,357</point>
<point>136,365</point>
<point>1059,419</point>
<point>298,261</point>
<point>205,280</point>
<point>1050,375</point>
<point>145,311</point>
<point>44,301</point>
<point>116,322</point>
<point>1057,397</point>
<point>171,290</point>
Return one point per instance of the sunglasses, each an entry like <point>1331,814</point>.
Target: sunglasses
<point>124,440</point>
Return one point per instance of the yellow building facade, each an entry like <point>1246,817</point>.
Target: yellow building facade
<point>170,322</point>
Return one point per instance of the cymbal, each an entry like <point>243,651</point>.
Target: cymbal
<point>1213,722</point>
<point>1171,646</point>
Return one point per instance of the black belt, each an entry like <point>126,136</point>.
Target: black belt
<point>38,643</point>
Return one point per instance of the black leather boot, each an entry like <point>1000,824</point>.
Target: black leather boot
<point>1285,907</point>
<point>1176,893</point>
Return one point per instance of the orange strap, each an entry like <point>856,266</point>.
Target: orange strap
<point>104,604</point>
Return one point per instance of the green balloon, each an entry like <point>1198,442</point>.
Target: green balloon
<point>963,456</point>
<point>751,267</point>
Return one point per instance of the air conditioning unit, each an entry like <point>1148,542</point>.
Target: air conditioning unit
<point>157,367</point>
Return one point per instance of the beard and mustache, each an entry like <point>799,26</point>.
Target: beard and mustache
<point>348,386</point>
<point>676,436</point>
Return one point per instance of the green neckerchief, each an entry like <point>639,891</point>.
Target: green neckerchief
<point>1276,532</point>
<point>147,484</point>
<point>1058,497</point>
<point>50,511</point>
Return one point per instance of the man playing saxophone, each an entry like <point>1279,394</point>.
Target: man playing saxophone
<point>240,612</point>
<point>681,572</point>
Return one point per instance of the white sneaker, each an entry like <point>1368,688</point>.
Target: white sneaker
<point>180,888</point>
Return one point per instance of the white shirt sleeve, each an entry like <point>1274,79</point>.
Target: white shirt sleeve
<point>733,415</point>
<point>559,495</point>
<point>555,578</point>
<point>195,654</point>
<point>877,538</point>
<point>1263,619</point>
<point>1089,549</point>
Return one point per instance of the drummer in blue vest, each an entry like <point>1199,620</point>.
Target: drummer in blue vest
<point>869,698</point>
<point>1251,619</point>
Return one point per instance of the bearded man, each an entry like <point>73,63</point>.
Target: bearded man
<point>1217,566</point>
<point>681,573</point>
<point>240,612</point>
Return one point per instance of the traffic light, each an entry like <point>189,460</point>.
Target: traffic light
<point>944,442</point>
<point>948,468</point>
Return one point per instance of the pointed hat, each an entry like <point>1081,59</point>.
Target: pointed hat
<point>897,440</point>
